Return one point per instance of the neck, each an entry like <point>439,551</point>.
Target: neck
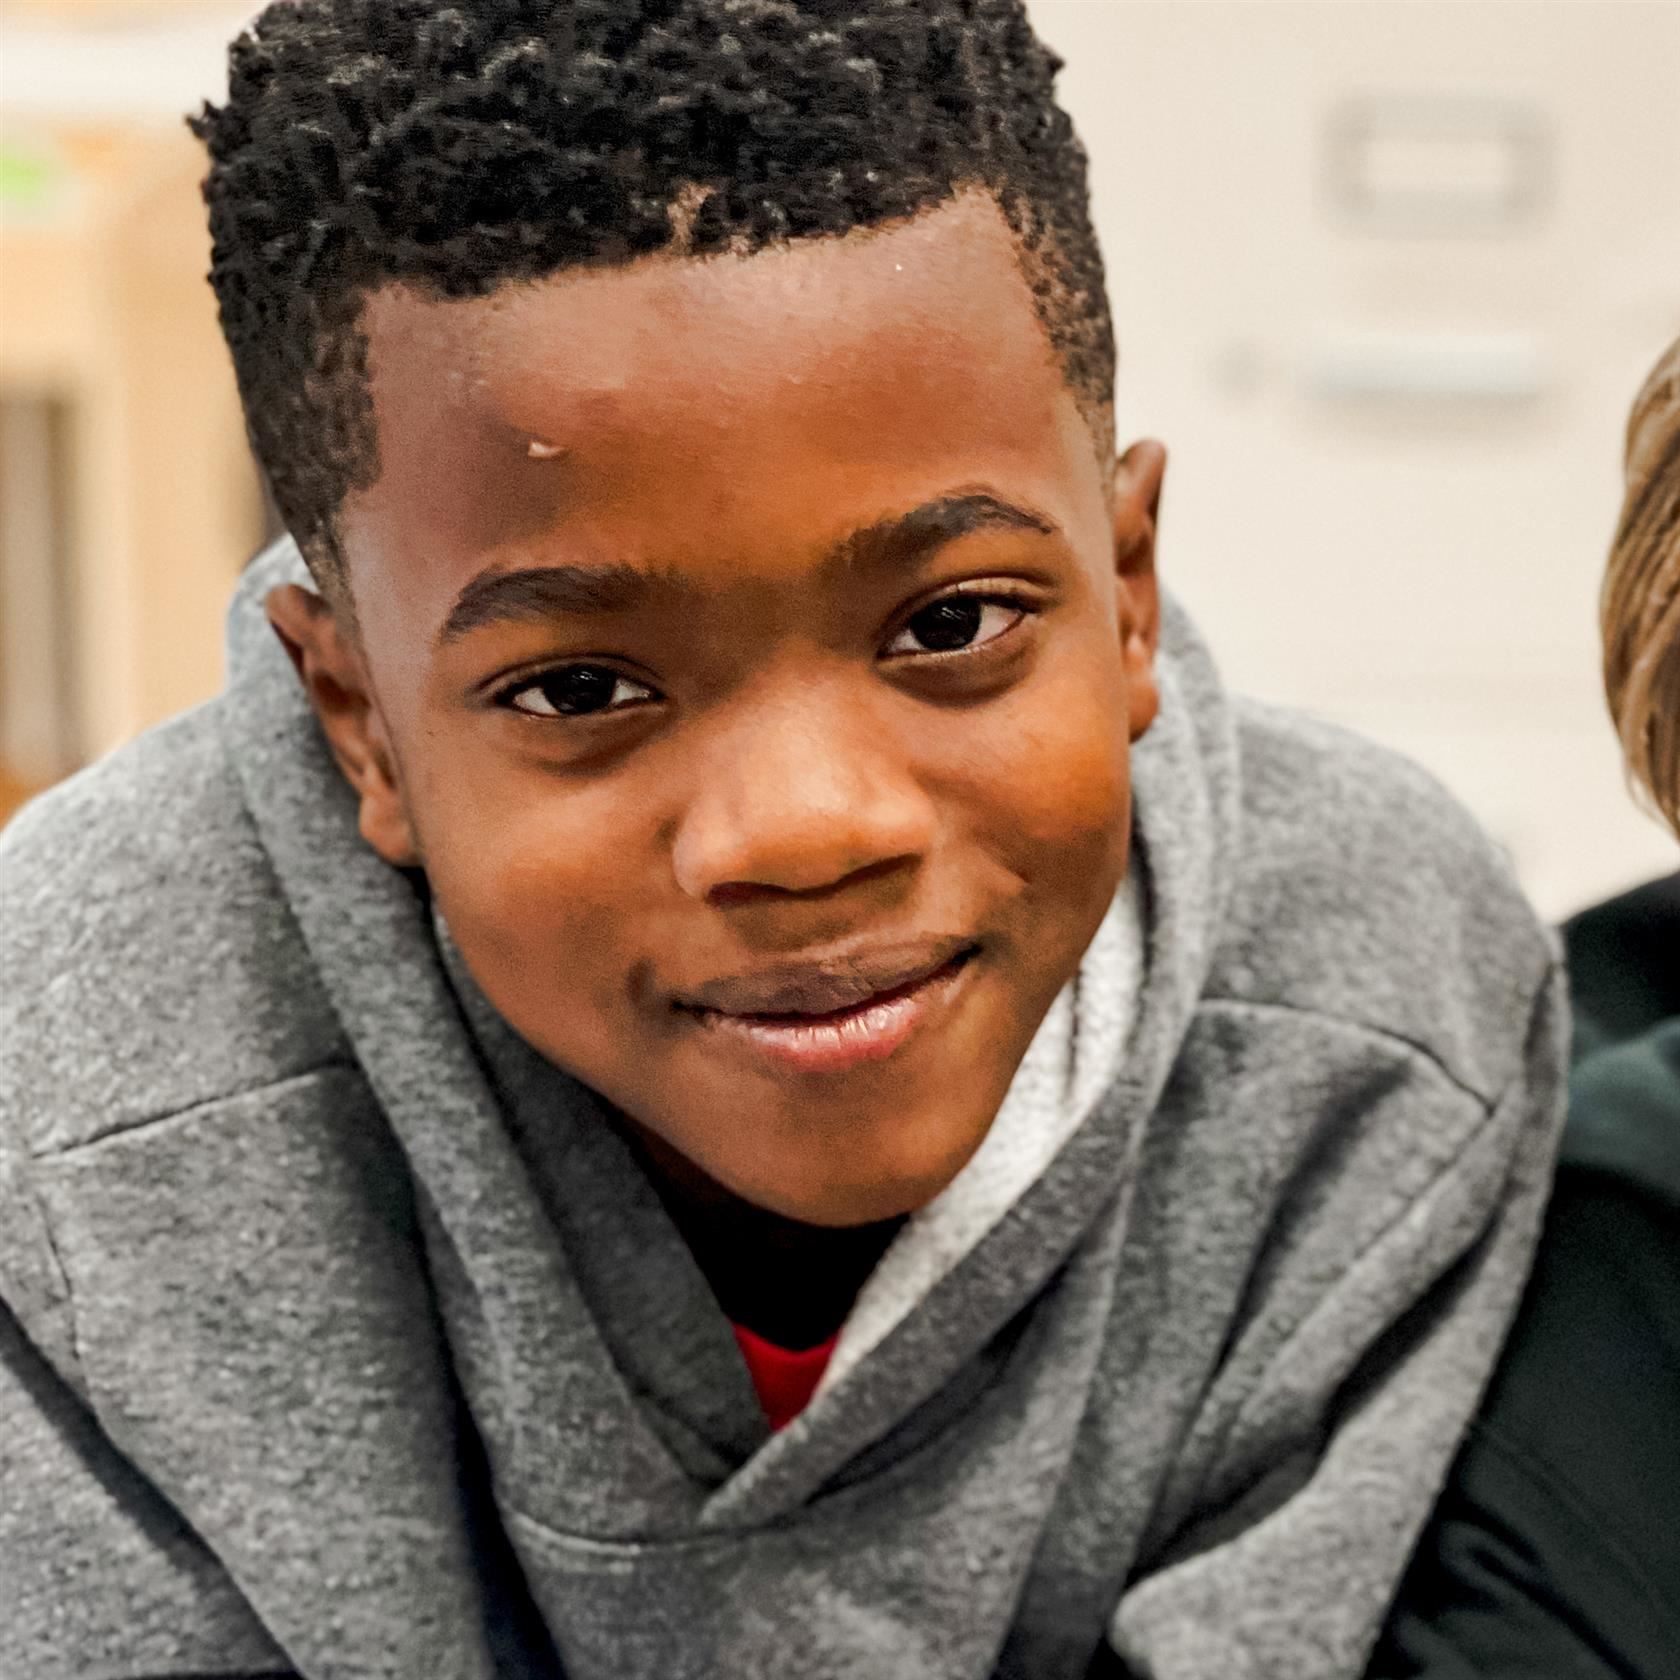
<point>787,1281</point>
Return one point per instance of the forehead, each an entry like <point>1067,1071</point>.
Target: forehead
<point>800,388</point>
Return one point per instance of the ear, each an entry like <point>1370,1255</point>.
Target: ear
<point>1137,507</point>
<point>333,670</point>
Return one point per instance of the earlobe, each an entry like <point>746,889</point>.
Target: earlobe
<point>385,826</point>
<point>334,676</point>
<point>1143,696</point>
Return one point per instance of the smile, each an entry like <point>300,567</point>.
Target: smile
<point>870,1029</point>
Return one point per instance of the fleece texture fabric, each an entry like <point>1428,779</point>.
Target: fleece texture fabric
<point>343,1337</point>
<point>1554,1549</point>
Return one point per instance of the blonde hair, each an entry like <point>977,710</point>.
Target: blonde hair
<point>1640,607</point>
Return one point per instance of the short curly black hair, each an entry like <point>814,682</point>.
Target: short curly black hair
<point>455,147</point>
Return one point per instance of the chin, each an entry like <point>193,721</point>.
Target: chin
<point>895,1187</point>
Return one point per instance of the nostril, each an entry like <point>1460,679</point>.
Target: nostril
<point>729,893</point>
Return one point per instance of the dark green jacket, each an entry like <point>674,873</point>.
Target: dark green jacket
<point>1555,1551</point>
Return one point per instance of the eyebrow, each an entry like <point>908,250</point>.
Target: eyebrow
<point>899,542</point>
<point>537,594</point>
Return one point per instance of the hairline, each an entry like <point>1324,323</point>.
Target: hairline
<point>331,572</point>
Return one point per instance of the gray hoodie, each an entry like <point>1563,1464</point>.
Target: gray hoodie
<point>341,1337</point>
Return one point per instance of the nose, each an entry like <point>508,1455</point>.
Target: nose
<point>800,797</point>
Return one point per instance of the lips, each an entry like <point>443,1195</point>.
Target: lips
<point>834,1013</point>
<point>829,984</point>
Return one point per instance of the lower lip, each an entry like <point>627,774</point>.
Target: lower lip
<point>848,1039</point>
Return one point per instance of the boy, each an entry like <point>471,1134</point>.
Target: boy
<point>724,1057</point>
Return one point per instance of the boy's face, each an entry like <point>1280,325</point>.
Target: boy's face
<point>749,652</point>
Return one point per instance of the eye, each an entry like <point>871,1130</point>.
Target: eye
<point>575,691</point>
<point>957,623</point>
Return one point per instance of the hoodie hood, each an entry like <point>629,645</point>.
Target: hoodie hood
<point>502,1145</point>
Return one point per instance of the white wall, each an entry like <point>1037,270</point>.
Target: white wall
<point>1423,567</point>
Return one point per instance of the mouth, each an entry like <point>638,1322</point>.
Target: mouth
<point>826,1020</point>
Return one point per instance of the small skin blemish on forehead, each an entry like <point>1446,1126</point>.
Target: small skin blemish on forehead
<point>538,450</point>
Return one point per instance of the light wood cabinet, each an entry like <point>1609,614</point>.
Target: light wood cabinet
<point>120,544</point>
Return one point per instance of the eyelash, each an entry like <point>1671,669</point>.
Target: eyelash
<point>978,595</point>
<point>1020,604</point>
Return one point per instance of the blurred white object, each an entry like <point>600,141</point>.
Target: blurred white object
<point>1438,367</point>
<point>1386,277</point>
<point>1437,164</point>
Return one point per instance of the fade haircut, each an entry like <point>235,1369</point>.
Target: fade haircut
<point>1641,602</point>
<point>456,148</point>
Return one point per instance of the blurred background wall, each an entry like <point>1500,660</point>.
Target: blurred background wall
<point>1386,274</point>
<point>127,497</point>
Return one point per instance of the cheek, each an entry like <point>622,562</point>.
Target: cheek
<point>1052,775</point>
<point>538,884</point>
